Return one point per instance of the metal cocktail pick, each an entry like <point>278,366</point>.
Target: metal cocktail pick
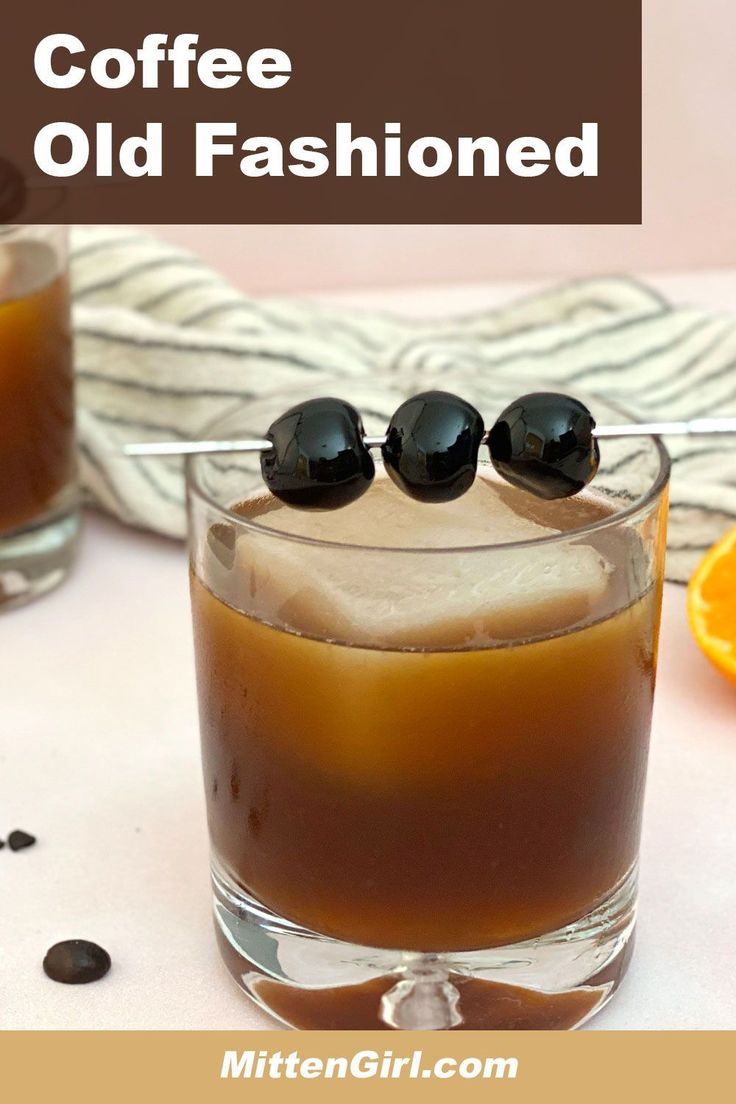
<point>691,428</point>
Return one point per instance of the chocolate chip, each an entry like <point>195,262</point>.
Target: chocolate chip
<point>2,844</point>
<point>19,839</point>
<point>76,962</point>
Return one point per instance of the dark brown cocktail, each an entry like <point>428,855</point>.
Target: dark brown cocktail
<point>424,733</point>
<point>458,784</point>
<point>38,518</point>
<point>36,387</point>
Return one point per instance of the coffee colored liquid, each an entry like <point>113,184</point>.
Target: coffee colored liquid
<point>36,384</point>
<point>427,799</point>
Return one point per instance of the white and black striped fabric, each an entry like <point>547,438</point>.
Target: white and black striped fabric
<point>164,344</point>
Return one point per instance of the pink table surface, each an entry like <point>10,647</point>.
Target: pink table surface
<point>99,758</point>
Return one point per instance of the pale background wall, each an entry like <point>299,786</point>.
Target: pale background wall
<point>689,193</point>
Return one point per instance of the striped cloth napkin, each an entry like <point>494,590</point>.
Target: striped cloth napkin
<point>164,344</point>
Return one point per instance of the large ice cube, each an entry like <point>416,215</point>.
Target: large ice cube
<point>417,598</point>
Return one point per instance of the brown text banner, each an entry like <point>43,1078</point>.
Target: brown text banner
<point>322,112</point>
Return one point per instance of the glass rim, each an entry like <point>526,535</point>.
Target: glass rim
<point>618,517</point>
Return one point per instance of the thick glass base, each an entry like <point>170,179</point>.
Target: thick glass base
<point>37,558</point>
<point>306,980</point>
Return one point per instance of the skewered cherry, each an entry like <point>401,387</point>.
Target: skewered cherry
<point>431,448</point>
<point>318,459</point>
<point>544,443</point>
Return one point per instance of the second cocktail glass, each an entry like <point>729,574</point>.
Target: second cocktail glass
<point>39,502</point>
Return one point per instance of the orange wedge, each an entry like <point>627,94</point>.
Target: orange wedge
<point>711,605</point>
